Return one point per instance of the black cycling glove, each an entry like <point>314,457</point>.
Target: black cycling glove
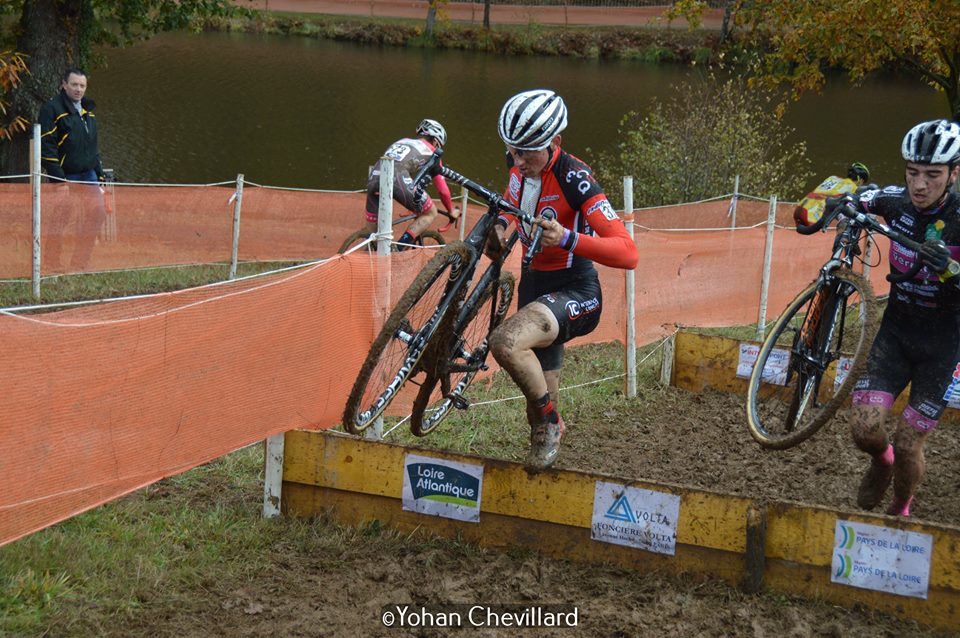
<point>935,254</point>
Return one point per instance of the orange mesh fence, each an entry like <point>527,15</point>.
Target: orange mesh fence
<point>714,213</point>
<point>16,219</point>
<point>86,228</point>
<point>104,399</point>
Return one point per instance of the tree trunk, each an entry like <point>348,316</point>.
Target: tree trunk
<point>486,14</point>
<point>431,18</point>
<point>52,36</point>
<point>725,28</point>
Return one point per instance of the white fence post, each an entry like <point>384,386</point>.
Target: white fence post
<point>733,202</point>
<point>272,475</point>
<point>463,212</point>
<point>631,337</point>
<point>867,250</point>
<point>237,202</point>
<point>385,210</point>
<point>384,237</point>
<point>767,258</point>
<point>35,184</point>
<point>666,363</point>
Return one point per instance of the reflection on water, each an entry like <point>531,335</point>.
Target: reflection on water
<point>198,108</point>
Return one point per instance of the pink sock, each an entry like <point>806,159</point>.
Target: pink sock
<point>898,508</point>
<point>887,456</point>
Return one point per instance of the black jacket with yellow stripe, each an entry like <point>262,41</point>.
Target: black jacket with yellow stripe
<point>68,142</point>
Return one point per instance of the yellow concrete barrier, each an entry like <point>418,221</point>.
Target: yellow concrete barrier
<point>781,546</point>
<point>703,361</point>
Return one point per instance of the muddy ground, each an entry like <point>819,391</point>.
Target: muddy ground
<point>701,440</point>
<point>672,435</point>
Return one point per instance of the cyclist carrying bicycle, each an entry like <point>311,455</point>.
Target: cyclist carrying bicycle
<point>559,296</point>
<point>409,155</point>
<point>919,337</point>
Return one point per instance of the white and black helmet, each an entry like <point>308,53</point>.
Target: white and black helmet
<point>530,120</point>
<point>934,142</point>
<point>434,129</point>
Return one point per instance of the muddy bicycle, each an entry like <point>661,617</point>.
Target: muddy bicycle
<point>831,324</point>
<point>438,331</point>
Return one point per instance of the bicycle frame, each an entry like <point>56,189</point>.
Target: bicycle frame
<point>817,319</point>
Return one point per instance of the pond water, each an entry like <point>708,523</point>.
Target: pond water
<point>300,112</point>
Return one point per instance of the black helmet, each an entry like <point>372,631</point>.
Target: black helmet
<point>858,171</point>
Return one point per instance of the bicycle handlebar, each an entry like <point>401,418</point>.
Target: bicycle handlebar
<point>868,222</point>
<point>494,199</point>
<point>535,241</point>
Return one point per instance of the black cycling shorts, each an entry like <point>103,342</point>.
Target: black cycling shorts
<point>575,301</point>
<point>923,351</point>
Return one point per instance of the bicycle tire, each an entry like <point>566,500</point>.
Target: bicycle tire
<point>434,237</point>
<point>359,236</point>
<point>815,325</point>
<point>405,336</point>
<point>353,239</point>
<point>467,346</point>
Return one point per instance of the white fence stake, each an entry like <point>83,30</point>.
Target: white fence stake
<point>767,258</point>
<point>35,183</point>
<point>237,202</point>
<point>463,212</point>
<point>272,475</point>
<point>867,250</point>
<point>385,210</point>
<point>666,363</point>
<point>631,337</point>
<point>385,236</point>
<point>733,202</point>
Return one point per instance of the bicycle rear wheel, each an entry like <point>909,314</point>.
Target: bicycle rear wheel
<point>790,395</point>
<point>353,239</point>
<point>465,355</point>
<point>405,335</point>
<point>431,238</point>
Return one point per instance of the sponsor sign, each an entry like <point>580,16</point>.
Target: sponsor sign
<point>843,370</point>
<point>439,487</point>
<point>952,395</point>
<point>881,558</point>
<point>774,372</point>
<point>635,517</point>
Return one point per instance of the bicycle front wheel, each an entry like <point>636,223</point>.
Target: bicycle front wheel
<point>455,368</point>
<point>405,335</point>
<point>793,391</point>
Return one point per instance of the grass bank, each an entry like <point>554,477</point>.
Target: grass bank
<point>647,44</point>
<point>123,283</point>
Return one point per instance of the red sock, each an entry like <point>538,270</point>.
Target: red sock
<point>547,410</point>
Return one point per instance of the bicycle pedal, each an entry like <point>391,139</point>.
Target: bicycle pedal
<point>460,402</point>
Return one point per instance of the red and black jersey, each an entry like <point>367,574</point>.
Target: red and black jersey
<point>569,190</point>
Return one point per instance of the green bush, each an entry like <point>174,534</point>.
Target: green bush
<point>693,145</point>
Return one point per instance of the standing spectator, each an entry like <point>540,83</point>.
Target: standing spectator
<point>69,152</point>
